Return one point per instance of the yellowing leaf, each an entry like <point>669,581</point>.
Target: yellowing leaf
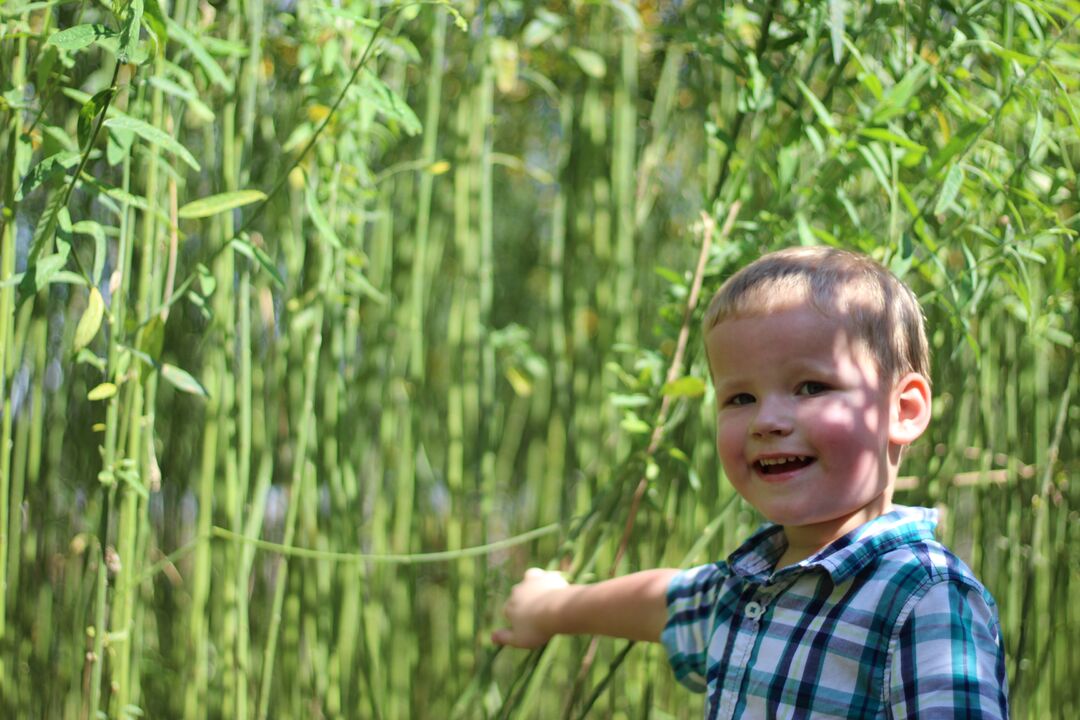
<point>438,168</point>
<point>90,322</point>
<point>318,112</point>
<point>523,387</point>
<point>104,391</point>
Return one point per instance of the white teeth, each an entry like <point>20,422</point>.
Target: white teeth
<point>780,461</point>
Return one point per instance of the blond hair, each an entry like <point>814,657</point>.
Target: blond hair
<point>872,303</point>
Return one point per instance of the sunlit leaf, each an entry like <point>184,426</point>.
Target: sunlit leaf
<point>590,62</point>
<point>154,136</point>
<point>104,391</point>
<point>687,386</point>
<point>214,204</point>
<point>182,380</point>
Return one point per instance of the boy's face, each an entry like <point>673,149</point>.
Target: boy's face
<point>802,417</point>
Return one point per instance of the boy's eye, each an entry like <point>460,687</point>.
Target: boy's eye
<point>812,387</point>
<point>740,399</point>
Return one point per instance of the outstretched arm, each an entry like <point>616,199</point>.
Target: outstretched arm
<point>543,604</point>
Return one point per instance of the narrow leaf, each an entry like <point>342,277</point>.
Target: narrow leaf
<point>214,204</point>
<point>250,251</point>
<point>155,20</point>
<point>154,136</point>
<point>90,322</point>
<point>182,380</point>
<point>950,188</point>
<point>78,37</point>
<point>319,219</point>
<point>891,137</point>
<point>837,9</point>
<point>822,113</point>
<point>201,55</point>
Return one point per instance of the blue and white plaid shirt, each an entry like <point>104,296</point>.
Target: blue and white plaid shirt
<point>883,623</point>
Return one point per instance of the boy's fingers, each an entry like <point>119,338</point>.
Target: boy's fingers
<point>500,636</point>
<point>535,572</point>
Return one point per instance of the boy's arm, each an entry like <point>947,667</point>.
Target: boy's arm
<point>543,604</point>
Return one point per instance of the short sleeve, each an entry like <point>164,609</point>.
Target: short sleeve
<point>692,597</point>
<point>947,660</point>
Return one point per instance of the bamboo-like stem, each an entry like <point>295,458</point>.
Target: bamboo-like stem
<point>675,369</point>
<point>420,278</point>
<point>299,478</point>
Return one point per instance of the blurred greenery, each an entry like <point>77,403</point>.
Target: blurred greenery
<point>312,313</point>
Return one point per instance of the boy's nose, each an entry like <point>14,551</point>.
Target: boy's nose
<point>772,418</point>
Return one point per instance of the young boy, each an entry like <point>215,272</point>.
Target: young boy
<point>844,605</point>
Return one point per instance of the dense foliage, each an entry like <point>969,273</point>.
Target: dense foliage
<point>319,322</point>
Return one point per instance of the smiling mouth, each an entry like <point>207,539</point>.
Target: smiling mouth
<point>778,465</point>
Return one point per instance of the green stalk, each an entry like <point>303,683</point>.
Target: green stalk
<point>16,154</point>
<point>420,277</point>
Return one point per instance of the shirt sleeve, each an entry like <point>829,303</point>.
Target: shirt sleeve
<point>947,660</point>
<point>691,602</point>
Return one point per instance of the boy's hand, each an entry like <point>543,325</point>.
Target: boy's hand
<point>531,601</point>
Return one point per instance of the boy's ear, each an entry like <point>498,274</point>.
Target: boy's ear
<point>909,412</point>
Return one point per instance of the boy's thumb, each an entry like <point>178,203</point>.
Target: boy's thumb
<point>500,636</point>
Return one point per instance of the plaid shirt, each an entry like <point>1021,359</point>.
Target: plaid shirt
<point>883,623</point>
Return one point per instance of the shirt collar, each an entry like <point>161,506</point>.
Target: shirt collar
<point>755,559</point>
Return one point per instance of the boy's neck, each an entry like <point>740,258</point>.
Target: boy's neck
<point>806,540</point>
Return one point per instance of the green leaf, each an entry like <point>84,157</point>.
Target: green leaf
<point>257,254</point>
<point>891,137</point>
<point>389,103</point>
<point>837,12</point>
<point>364,286</point>
<point>46,170</point>
<point>319,219</point>
<point>687,386</point>
<point>151,338</point>
<point>104,391</point>
<point>953,181</point>
<point>182,380</point>
<point>80,36</point>
<point>957,144</point>
<point>154,136</point>
<point>129,32</point>
<point>896,99</point>
<point>90,322</point>
<point>635,425</point>
<point>89,112</point>
<point>591,63</point>
<point>820,111</point>
<point>201,55</point>
<point>155,19</point>
<point>637,400</point>
<point>196,106</point>
<point>214,204</point>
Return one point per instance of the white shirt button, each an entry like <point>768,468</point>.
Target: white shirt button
<point>754,610</point>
